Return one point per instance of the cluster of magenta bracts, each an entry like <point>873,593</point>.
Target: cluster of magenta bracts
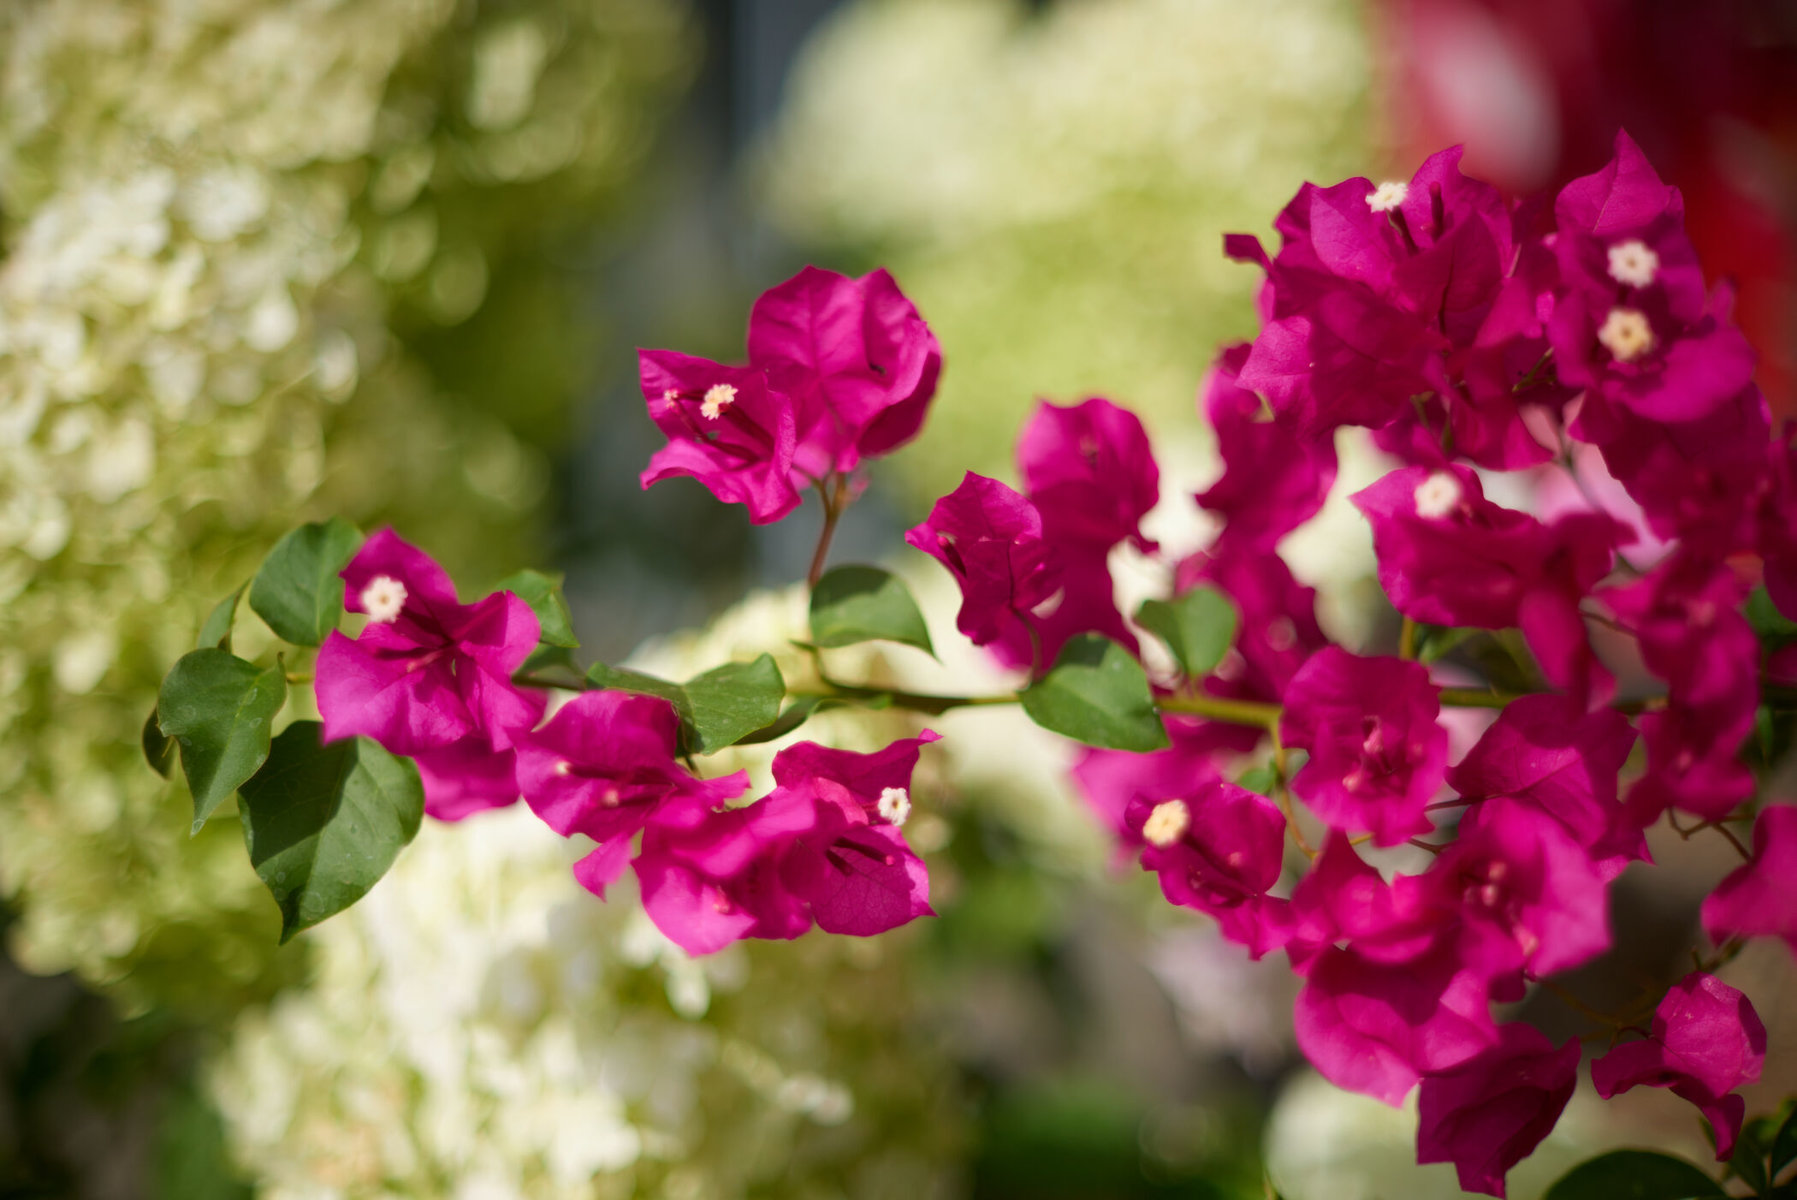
<point>431,678</point>
<point>1470,335</point>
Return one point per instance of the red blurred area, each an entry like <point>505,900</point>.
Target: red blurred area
<point>1536,89</point>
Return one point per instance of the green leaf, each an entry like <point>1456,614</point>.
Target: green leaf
<point>1633,1175</point>
<point>1198,627</point>
<point>1784,1145</point>
<point>544,595</point>
<point>732,700</point>
<point>218,708</point>
<point>324,822</point>
<point>1259,780</point>
<point>297,590</point>
<point>862,604</point>
<point>1098,694</point>
<point>216,632</point>
<point>159,751</point>
<point>716,709</point>
<point>1748,1162</point>
<point>1770,625</point>
<point>1437,641</point>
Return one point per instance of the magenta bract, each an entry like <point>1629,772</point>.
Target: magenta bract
<point>1490,1112</point>
<point>1707,1041</point>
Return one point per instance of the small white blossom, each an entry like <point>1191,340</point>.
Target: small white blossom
<point>895,804</point>
<point>1626,334</point>
<point>383,599</point>
<point>718,397</point>
<point>1438,495</point>
<point>1387,195</point>
<point>1167,823</point>
<point>1633,263</point>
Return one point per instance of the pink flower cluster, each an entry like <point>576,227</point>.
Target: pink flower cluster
<point>1471,336</point>
<point>432,679</point>
<point>839,370</point>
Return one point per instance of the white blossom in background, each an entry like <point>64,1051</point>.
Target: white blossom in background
<point>480,1026</point>
<point>211,210</point>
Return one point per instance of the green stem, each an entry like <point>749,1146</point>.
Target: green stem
<point>835,500</point>
<point>1219,708</point>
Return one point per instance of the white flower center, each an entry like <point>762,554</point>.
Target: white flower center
<point>717,398</point>
<point>1437,496</point>
<point>1626,334</point>
<point>1387,196</point>
<point>894,805</point>
<point>1167,823</point>
<point>383,598</point>
<point>1633,263</point>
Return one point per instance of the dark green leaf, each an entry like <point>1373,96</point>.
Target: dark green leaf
<point>1784,1145</point>
<point>544,595</point>
<point>297,590</point>
<point>1198,627</point>
<point>216,632</point>
<point>735,699</point>
<point>159,751</point>
<point>546,657</point>
<point>1748,1162</point>
<point>716,709</point>
<point>861,604</point>
<point>1633,1175</point>
<point>1770,625</point>
<point>1098,694</point>
<point>623,680</point>
<point>1436,641</point>
<point>1258,779</point>
<point>324,822</point>
<point>218,708</point>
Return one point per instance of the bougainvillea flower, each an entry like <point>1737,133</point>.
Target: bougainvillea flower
<point>1517,870</point>
<point>1090,472</point>
<point>1490,1112</point>
<point>725,427</point>
<point>426,671</point>
<point>1700,480</point>
<point>1686,615</point>
<point>858,362</point>
<point>1375,1028</point>
<point>1691,762</point>
<point>1217,849</point>
<point>1548,752</point>
<point>824,846</point>
<point>1272,482</point>
<point>851,867</point>
<point>1757,899</point>
<point>1449,556</point>
<point>1350,359</point>
<point>1343,898</point>
<point>468,776</point>
<point>1624,196</point>
<point>1377,756</point>
<point>710,876</point>
<point>1706,1041</point>
<point>605,761</point>
<point>1110,779</point>
<point>990,539</point>
<point>1086,602</point>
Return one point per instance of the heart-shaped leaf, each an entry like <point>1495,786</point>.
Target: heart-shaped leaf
<point>323,822</point>
<point>218,709</point>
<point>863,604</point>
<point>297,591</point>
<point>716,709</point>
<point>1098,694</point>
<point>544,595</point>
<point>1633,1175</point>
<point>1197,626</point>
